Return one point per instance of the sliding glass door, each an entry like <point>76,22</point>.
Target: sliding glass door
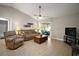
<point>45,28</point>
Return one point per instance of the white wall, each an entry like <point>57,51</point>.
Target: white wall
<point>15,17</point>
<point>59,24</point>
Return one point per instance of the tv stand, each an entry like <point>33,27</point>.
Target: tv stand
<point>69,39</point>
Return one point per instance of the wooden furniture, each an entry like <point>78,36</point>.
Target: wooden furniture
<point>70,35</point>
<point>12,40</point>
<point>75,50</point>
<point>69,39</point>
<point>40,39</point>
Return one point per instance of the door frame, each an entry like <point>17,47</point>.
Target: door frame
<point>8,23</point>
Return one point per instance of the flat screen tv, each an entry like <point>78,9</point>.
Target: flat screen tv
<point>70,31</point>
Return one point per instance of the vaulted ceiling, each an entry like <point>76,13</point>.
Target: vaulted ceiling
<point>48,9</point>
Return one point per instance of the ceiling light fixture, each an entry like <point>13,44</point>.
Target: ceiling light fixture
<point>39,16</point>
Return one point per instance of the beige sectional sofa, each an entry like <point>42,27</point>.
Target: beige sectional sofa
<point>28,34</point>
<point>14,40</point>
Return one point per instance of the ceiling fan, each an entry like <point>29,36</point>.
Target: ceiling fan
<point>39,16</point>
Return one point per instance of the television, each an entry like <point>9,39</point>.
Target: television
<point>70,31</point>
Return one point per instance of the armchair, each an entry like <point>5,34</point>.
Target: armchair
<point>12,40</point>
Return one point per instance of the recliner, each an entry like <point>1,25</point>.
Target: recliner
<point>12,40</point>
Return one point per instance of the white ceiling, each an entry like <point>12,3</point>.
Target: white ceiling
<point>48,9</point>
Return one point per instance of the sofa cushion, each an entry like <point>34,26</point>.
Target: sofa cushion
<point>14,37</point>
<point>9,33</point>
<point>17,40</point>
<point>11,37</point>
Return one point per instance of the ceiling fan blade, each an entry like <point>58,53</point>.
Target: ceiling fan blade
<point>45,16</point>
<point>36,15</point>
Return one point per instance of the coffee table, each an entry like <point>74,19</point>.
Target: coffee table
<point>40,39</point>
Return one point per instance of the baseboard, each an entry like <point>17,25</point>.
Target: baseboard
<point>58,39</point>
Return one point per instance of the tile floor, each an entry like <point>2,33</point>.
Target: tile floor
<point>51,47</point>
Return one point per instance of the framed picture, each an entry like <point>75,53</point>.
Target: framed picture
<point>27,26</point>
<point>30,23</point>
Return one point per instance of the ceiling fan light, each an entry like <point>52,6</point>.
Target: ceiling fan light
<point>40,17</point>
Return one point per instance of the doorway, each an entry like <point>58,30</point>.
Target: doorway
<point>3,27</point>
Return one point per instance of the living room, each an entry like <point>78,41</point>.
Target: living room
<point>23,20</point>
